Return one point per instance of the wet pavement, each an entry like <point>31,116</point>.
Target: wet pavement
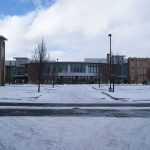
<point>76,109</point>
<point>76,112</point>
<point>76,104</point>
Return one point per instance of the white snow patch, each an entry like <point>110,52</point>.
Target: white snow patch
<point>66,133</point>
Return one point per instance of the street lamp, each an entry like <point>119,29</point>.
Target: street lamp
<point>57,71</point>
<point>10,72</point>
<point>110,88</point>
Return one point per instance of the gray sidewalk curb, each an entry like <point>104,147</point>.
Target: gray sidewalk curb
<point>114,98</point>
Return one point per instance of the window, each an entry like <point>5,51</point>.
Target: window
<point>132,76</point>
<point>139,77</point>
<point>77,68</point>
<point>62,68</point>
<point>132,64</point>
<point>92,68</point>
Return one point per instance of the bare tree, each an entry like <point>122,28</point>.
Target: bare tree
<point>54,73</point>
<point>148,74</point>
<point>103,73</point>
<point>40,58</point>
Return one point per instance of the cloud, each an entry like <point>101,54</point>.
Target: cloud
<point>77,29</point>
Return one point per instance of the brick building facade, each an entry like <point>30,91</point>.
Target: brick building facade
<point>138,69</point>
<point>2,60</point>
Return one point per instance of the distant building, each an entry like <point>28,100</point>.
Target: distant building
<point>117,59</point>
<point>16,70</point>
<point>120,69</point>
<point>2,60</point>
<point>9,70</point>
<point>71,72</point>
<point>65,72</point>
<point>96,60</point>
<point>138,69</point>
<point>91,70</point>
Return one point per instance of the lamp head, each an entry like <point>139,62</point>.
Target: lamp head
<point>109,35</point>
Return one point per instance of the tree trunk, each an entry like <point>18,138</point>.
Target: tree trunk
<point>39,83</point>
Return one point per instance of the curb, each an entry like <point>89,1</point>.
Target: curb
<point>114,98</point>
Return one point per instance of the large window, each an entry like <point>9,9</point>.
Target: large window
<point>77,68</point>
<point>132,64</point>
<point>92,68</point>
<point>62,68</point>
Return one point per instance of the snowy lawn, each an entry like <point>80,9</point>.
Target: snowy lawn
<point>59,94</point>
<point>131,93</point>
<point>76,133</point>
<point>74,93</point>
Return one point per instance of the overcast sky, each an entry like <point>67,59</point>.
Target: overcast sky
<point>76,29</point>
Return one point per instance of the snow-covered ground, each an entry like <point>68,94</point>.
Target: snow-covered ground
<point>131,93</point>
<point>77,133</point>
<point>74,93</point>
<point>59,94</point>
<point>136,93</point>
<point>74,133</point>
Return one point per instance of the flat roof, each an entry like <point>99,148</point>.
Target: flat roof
<point>78,62</point>
<point>3,38</point>
<point>21,58</point>
<point>72,62</point>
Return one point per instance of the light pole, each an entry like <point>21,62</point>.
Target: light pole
<point>110,88</point>
<point>9,72</point>
<point>57,71</point>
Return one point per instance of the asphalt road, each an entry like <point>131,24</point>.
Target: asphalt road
<point>76,112</point>
<point>76,104</point>
<point>76,109</point>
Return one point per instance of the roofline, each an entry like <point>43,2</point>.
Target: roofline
<point>3,38</point>
<point>68,62</point>
<point>21,58</point>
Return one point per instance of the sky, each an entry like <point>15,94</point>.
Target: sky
<point>76,29</point>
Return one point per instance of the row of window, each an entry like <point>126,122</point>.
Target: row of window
<point>139,64</point>
<point>92,68</point>
<point>77,68</point>
<point>62,68</point>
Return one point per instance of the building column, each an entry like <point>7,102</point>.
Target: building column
<point>68,69</point>
<point>2,60</point>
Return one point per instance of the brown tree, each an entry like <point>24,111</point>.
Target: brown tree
<point>148,74</point>
<point>40,58</point>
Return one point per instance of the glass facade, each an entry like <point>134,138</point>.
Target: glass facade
<point>77,68</point>
<point>62,68</point>
<point>92,68</point>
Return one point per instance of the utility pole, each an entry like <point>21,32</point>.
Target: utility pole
<point>110,66</point>
<point>10,72</point>
<point>57,72</point>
